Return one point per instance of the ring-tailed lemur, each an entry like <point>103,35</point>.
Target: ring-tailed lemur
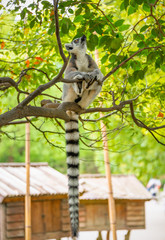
<point>83,68</point>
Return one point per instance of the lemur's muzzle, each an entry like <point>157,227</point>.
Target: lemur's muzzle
<point>68,46</point>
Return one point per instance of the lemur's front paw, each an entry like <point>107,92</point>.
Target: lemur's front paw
<point>92,77</point>
<point>79,77</point>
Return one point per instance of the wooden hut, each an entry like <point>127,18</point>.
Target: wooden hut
<point>129,194</point>
<point>49,202</point>
<point>50,216</point>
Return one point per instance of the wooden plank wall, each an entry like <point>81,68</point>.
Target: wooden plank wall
<point>65,220</point>
<point>135,217</point>
<point>50,219</point>
<point>15,220</point>
<point>94,216</point>
<point>2,222</point>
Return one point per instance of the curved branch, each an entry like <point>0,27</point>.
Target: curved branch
<point>55,3</point>
<point>142,125</point>
<point>7,81</point>
<point>126,60</point>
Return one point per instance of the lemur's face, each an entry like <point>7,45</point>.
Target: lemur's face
<point>77,45</point>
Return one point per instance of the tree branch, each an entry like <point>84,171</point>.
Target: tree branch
<point>126,60</point>
<point>55,3</point>
<point>31,111</point>
<point>142,125</point>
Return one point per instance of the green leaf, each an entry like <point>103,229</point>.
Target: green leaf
<point>92,42</point>
<point>78,11</point>
<point>151,56</point>
<point>163,67</point>
<point>32,23</point>
<point>126,3</point>
<point>141,44</point>
<point>99,29</point>
<point>23,13</point>
<point>64,28</point>
<point>50,31</point>
<point>72,27</point>
<point>145,69</point>
<point>139,2</point>
<point>146,7</point>
<point>115,43</point>
<point>46,4</point>
<point>144,28</point>
<point>124,27</point>
<point>104,59</point>
<point>133,3</point>
<point>158,63</point>
<point>131,80</point>
<point>131,10</point>
<point>139,74</point>
<point>70,11</point>
<point>122,6</point>
<point>112,58</point>
<point>62,10</point>
<point>87,11</point>
<point>119,22</point>
<point>135,65</point>
<point>78,18</point>
<point>105,40</point>
<point>152,1</point>
<point>138,37</point>
<point>154,32</point>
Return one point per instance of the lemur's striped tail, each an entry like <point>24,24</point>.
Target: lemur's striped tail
<point>72,150</point>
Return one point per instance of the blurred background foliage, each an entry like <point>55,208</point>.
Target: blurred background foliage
<point>117,29</point>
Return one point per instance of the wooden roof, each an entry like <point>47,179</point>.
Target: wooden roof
<point>127,187</point>
<point>44,180</point>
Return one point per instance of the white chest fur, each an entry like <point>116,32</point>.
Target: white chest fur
<point>82,63</point>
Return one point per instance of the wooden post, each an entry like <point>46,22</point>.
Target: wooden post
<point>27,195</point>
<point>111,202</point>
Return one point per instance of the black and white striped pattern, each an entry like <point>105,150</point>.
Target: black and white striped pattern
<point>72,150</point>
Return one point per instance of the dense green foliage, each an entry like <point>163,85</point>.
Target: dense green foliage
<point>118,29</point>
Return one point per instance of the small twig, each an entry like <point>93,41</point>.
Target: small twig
<point>44,134</point>
<point>24,72</point>
<point>142,125</point>
<point>19,122</point>
<point>98,119</point>
<point>20,60</point>
<point>60,124</point>
<point>159,26</point>
<point>155,3</point>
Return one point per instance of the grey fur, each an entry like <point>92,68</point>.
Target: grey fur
<point>83,68</point>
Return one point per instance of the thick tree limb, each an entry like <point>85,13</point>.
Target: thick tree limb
<point>60,112</point>
<point>6,82</point>
<point>28,111</point>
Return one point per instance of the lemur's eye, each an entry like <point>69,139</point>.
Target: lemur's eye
<point>76,40</point>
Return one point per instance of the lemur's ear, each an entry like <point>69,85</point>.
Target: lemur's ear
<point>83,38</point>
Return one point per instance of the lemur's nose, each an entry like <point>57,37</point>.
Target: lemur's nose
<point>83,38</point>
